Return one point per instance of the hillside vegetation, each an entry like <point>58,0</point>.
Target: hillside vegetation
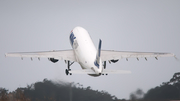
<point>48,90</point>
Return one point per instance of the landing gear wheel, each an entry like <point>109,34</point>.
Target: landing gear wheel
<point>66,71</point>
<point>104,64</point>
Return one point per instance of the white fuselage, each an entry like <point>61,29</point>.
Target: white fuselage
<point>84,50</point>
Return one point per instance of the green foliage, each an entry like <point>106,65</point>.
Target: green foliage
<point>60,91</point>
<point>3,94</point>
<point>137,95</point>
<point>55,91</point>
<point>16,95</point>
<point>168,90</point>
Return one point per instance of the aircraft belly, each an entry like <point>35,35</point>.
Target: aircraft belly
<point>86,51</point>
<point>86,61</point>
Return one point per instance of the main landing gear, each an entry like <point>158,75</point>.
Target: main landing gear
<point>67,70</point>
<point>104,64</point>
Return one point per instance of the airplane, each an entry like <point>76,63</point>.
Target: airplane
<point>91,60</point>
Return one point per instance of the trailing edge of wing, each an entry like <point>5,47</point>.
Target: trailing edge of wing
<point>111,54</point>
<point>59,54</point>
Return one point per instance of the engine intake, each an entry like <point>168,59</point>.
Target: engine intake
<point>53,60</point>
<point>114,61</point>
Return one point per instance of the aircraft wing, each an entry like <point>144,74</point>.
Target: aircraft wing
<point>59,54</point>
<point>114,55</point>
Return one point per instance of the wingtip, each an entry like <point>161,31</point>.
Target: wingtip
<point>5,54</point>
<point>174,55</point>
<point>176,58</point>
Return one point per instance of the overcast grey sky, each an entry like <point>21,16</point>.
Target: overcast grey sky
<point>43,25</point>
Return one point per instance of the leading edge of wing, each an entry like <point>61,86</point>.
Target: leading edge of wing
<point>57,54</point>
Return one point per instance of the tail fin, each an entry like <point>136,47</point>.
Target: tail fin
<point>99,48</point>
<point>97,61</point>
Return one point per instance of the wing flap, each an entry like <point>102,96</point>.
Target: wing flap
<point>111,54</point>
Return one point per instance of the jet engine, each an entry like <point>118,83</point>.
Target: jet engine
<point>114,61</point>
<point>53,60</point>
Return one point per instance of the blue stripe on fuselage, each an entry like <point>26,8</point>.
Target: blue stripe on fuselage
<point>72,37</point>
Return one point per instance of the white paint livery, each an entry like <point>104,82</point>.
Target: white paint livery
<point>92,61</point>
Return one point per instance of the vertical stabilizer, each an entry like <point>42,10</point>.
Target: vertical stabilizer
<point>97,61</point>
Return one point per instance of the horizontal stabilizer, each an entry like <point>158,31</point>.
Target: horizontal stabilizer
<point>84,71</point>
<point>90,71</point>
<point>116,71</point>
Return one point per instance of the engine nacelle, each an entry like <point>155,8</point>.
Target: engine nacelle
<point>53,60</point>
<point>114,61</point>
